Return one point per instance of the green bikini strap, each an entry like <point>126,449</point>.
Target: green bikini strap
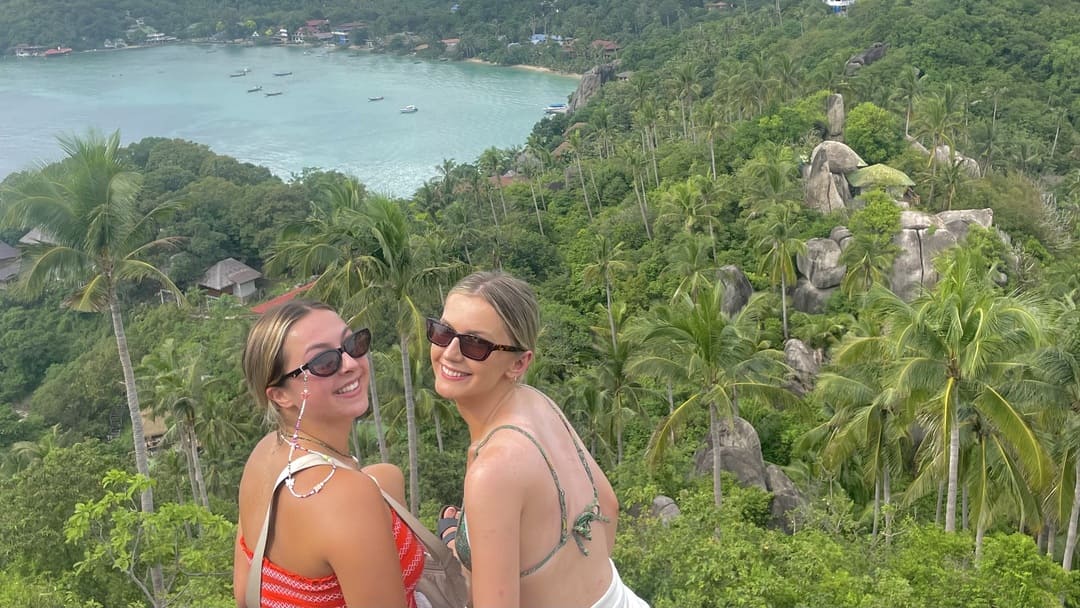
<point>582,523</point>
<point>564,533</point>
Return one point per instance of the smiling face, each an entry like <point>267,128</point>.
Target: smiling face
<point>459,378</point>
<point>343,394</point>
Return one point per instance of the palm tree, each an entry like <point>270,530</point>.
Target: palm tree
<point>491,160</point>
<point>1058,367</point>
<point>619,393</point>
<point>690,259</point>
<point>719,356</point>
<point>868,420</point>
<point>955,350</point>
<point>607,261</point>
<point>397,272</point>
<point>868,261</point>
<point>635,160</point>
<point>22,455</point>
<point>938,119</point>
<point>329,243</point>
<point>770,177</point>
<point>774,239</point>
<point>686,79</point>
<point>911,80</point>
<point>576,148</point>
<point>181,387</point>
<point>447,170</point>
<point>88,206</point>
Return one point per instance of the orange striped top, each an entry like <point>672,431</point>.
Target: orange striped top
<point>284,589</point>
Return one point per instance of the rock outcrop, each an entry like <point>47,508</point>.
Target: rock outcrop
<point>922,236</point>
<point>870,55</point>
<point>821,271</point>
<point>737,289</point>
<point>740,454</point>
<point>590,84</point>
<point>664,508</point>
<point>806,363</point>
<point>834,112</point>
<point>824,185</point>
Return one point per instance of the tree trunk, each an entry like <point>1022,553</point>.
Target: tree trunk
<point>494,214</point>
<point>376,414</point>
<point>656,166</point>
<point>1070,538</point>
<point>783,303</point>
<point>610,317</point>
<point>438,431</point>
<point>886,491</point>
<point>980,532</point>
<point>714,433</point>
<point>964,508</point>
<point>641,207</point>
<point>196,462</point>
<point>940,500</point>
<point>1051,536</point>
<point>142,458</point>
<point>189,464</point>
<point>877,507</point>
<point>536,208</point>
<point>584,192</point>
<point>410,422</point>
<point>954,465</point>
<point>712,157</point>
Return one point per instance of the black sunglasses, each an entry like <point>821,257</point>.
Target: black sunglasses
<point>472,347</point>
<point>327,363</point>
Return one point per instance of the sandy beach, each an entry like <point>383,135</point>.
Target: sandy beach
<point>531,68</point>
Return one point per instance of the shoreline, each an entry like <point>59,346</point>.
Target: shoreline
<point>523,66</point>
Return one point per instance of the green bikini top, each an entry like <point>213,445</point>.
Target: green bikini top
<point>581,529</point>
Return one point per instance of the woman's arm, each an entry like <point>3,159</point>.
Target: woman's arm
<point>357,537</point>
<point>241,567</point>
<point>390,479</point>
<point>494,497</point>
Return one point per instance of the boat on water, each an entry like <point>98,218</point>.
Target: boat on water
<point>282,73</point>
<point>274,93</point>
<point>238,74</point>
<point>556,108</point>
<point>409,109</point>
<point>376,98</point>
<point>255,89</point>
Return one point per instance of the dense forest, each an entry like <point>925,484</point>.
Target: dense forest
<point>729,315</point>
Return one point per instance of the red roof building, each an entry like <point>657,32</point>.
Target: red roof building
<point>285,297</point>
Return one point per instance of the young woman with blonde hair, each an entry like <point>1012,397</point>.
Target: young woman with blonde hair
<point>537,525</point>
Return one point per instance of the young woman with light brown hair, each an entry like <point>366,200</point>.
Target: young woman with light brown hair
<point>332,540</point>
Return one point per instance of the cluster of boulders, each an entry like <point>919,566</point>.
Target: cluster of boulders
<point>826,188</point>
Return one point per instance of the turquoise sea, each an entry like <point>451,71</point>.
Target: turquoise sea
<point>322,118</point>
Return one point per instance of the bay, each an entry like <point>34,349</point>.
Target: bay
<point>322,118</point>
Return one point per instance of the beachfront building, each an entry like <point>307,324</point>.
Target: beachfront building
<point>9,264</point>
<point>838,7</point>
<point>230,276</point>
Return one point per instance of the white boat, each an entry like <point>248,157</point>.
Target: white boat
<point>409,109</point>
<point>376,98</point>
<point>556,108</point>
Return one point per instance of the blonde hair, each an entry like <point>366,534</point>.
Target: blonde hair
<point>264,352</point>
<point>513,300</point>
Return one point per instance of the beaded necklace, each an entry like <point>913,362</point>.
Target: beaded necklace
<point>294,444</point>
<point>315,439</point>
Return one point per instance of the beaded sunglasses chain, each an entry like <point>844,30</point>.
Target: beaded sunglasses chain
<point>294,444</point>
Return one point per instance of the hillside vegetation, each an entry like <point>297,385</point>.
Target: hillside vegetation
<point>930,441</point>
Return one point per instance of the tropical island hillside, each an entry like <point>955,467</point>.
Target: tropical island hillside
<point>809,294</point>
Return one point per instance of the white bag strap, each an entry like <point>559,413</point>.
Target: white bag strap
<point>435,546</point>
<point>253,597</point>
